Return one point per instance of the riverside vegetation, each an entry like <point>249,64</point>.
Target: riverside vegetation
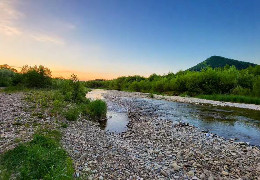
<point>57,100</point>
<point>224,84</point>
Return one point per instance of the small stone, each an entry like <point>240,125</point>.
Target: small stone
<point>190,173</point>
<point>77,174</point>
<point>225,173</point>
<point>202,176</point>
<point>164,173</point>
<point>211,178</point>
<point>175,166</point>
<point>87,169</point>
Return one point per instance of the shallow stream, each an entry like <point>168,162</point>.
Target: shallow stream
<point>239,124</point>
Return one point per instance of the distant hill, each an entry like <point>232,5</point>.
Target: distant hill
<point>218,61</point>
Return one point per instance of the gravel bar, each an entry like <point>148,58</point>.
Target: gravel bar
<point>152,148</point>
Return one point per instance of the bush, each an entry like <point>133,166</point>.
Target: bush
<point>37,77</point>
<point>72,114</point>
<point>41,158</point>
<point>73,90</point>
<point>6,77</point>
<point>97,109</point>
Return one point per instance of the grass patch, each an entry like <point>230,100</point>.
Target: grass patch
<point>232,98</point>
<point>64,125</point>
<point>13,89</point>
<point>41,158</point>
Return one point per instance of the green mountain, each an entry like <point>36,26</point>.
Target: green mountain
<point>218,61</point>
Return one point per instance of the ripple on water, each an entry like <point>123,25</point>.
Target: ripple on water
<point>240,124</point>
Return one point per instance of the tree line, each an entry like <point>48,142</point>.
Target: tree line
<point>227,80</point>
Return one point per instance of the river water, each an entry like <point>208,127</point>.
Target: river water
<point>239,124</point>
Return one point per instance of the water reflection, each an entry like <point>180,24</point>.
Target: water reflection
<point>116,122</point>
<point>117,117</point>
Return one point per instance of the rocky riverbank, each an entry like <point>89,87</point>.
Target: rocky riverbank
<point>153,148</point>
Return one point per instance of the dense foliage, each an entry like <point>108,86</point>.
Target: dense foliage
<point>218,61</point>
<point>97,109</point>
<point>31,77</point>
<point>6,77</point>
<point>228,80</point>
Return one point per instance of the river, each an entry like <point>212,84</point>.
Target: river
<point>228,122</point>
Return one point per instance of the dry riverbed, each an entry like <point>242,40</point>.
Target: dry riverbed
<point>151,147</point>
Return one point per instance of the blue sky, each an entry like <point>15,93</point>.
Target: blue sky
<point>109,38</point>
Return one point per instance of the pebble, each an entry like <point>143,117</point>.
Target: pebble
<point>190,173</point>
<point>175,166</point>
<point>225,173</point>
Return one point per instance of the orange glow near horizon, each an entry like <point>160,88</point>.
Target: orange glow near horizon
<point>83,76</point>
<point>65,73</point>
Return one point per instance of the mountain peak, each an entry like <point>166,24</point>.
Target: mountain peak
<point>219,61</point>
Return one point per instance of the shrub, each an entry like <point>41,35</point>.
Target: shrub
<point>6,76</point>
<point>97,109</point>
<point>72,114</point>
<point>78,90</point>
<point>73,90</point>
<point>84,108</point>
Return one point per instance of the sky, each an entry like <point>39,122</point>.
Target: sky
<point>110,38</point>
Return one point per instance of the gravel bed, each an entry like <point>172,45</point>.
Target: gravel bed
<point>19,120</point>
<point>152,148</point>
<point>186,100</point>
<point>205,101</point>
<point>12,120</point>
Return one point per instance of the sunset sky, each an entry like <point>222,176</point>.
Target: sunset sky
<point>111,38</point>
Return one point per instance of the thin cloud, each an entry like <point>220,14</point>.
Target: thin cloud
<point>8,12</point>
<point>9,30</point>
<point>10,16</point>
<point>48,39</point>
